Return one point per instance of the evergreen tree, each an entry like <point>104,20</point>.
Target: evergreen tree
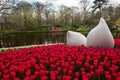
<point>98,5</point>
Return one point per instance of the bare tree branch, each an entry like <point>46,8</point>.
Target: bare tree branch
<point>2,4</point>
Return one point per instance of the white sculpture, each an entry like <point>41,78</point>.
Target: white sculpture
<point>75,39</point>
<point>100,36</point>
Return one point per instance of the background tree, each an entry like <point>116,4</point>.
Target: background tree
<point>66,16</point>
<point>39,8</point>
<point>74,16</point>
<point>117,12</point>
<point>98,4</point>
<point>117,15</point>
<point>16,19</point>
<point>85,4</point>
<point>47,11</point>
<point>4,4</point>
<point>5,9</point>
<point>26,11</point>
<point>26,16</point>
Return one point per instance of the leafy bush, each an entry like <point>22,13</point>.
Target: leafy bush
<point>83,28</point>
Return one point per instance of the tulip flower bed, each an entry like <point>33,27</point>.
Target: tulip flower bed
<point>117,42</point>
<point>60,62</point>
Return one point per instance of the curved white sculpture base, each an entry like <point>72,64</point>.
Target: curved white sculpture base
<point>75,39</point>
<point>100,36</point>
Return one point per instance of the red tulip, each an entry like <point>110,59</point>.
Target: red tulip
<point>26,78</point>
<point>28,72</point>
<point>5,77</point>
<point>76,79</point>
<point>118,78</point>
<point>32,77</point>
<point>56,73</point>
<point>77,74</point>
<point>44,78</point>
<point>6,71</point>
<point>108,77</point>
<point>87,65</point>
<point>66,78</point>
<point>46,72</point>
<point>101,63</point>
<point>36,73</point>
<point>53,78</point>
<point>71,68</point>
<point>89,75</point>
<point>17,79</point>
<point>59,78</point>
<point>95,64</point>
<point>3,67</point>
<point>57,64</point>
<point>112,70</point>
<point>98,72</point>
<point>92,73</point>
<point>59,69</point>
<point>114,75</point>
<point>42,73</point>
<point>64,70</point>
<point>82,70</point>
<point>12,74</point>
<point>114,62</point>
<point>78,63</point>
<point>21,70</point>
<point>72,63</point>
<point>118,73</point>
<point>85,78</point>
<point>91,67</point>
<point>70,72</point>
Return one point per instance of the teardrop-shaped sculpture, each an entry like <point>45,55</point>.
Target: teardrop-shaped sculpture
<point>75,39</point>
<point>100,36</point>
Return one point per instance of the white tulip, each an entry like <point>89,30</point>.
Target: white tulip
<point>75,39</point>
<point>100,36</point>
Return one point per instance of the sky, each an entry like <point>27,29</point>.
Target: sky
<point>70,3</point>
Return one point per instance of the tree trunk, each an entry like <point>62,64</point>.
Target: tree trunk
<point>101,12</point>
<point>25,22</point>
<point>39,21</point>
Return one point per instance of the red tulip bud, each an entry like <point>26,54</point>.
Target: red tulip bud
<point>26,78</point>
<point>12,74</point>
<point>92,73</point>
<point>118,78</point>
<point>76,79</point>
<point>53,78</point>
<point>70,72</point>
<point>28,72</point>
<point>77,74</point>
<point>59,78</point>
<point>71,68</point>
<point>36,74</point>
<point>91,67</point>
<point>114,75</point>
<point>64,71</point>
<point>5,77</point>
<point>87,65</point>
<point>108,77</point>
<point>88,75</point>
<point>72,63</point>
<point>98,72</point>
<point>44,78</point>
<point>17,79</point>
<point>32,77</point>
